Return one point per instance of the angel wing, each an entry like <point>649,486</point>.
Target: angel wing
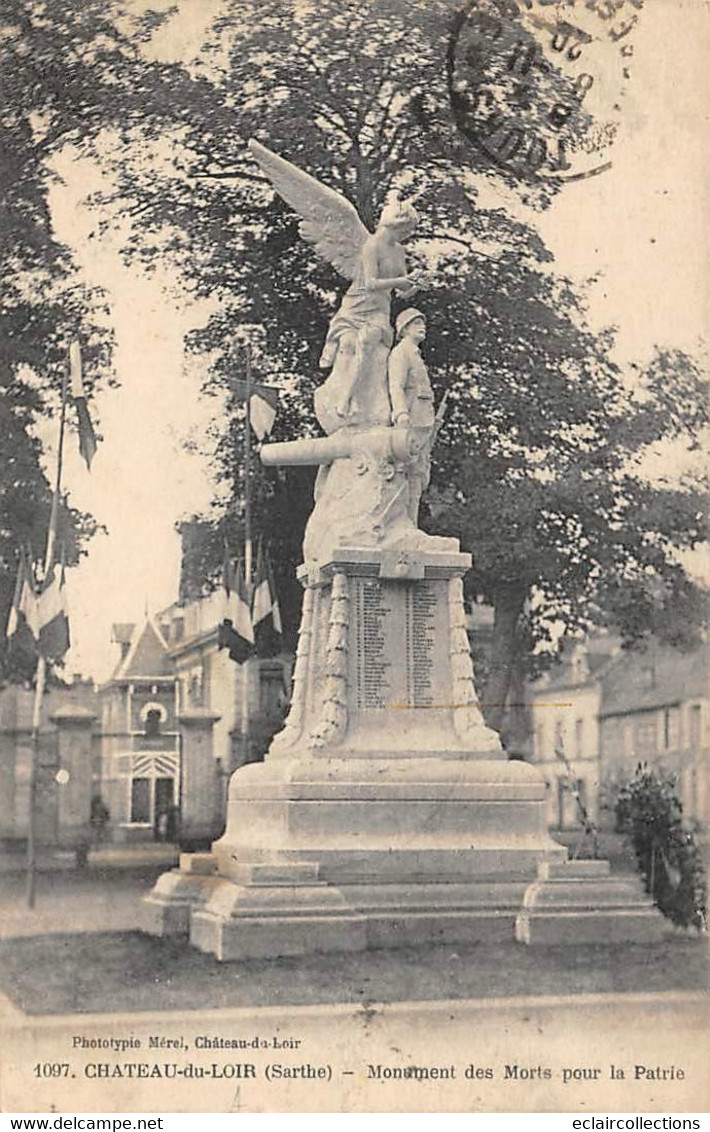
<point>328,220</point>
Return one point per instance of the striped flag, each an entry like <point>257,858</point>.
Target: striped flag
<point>44,615</point>
<point>23,611</point>
<point>265,615</point>
<point>53,616</point>
<point>236,632</point>
<point>87,438</point>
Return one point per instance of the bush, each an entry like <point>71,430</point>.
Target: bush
<point>649,813</point>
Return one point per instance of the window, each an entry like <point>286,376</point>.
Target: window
<point>272,691</point>
<point>571,802</point>
<point>151,799</point>
<point>152,723</point>
<point>559,739</point>
<point>612,739</point>
<point>540,741</point>
<point>152,716</point>
<point>164,796</point>
<point>671,728</point>
<point>695,729</point>
<point>628,738</point>
<point>646,736</point>
<point>194,689</point>
<point>579,738</point>
<point>140,800</point>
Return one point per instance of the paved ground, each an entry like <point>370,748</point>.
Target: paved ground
<point>102,897</point>
<point>107,857</point>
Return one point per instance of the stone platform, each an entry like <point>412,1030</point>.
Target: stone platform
<point>582,902</point>
<point>385,813</point>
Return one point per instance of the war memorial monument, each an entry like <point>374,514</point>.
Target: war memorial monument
<point>386,812</point>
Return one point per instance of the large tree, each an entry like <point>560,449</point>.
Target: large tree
<point>44,304</point>
<point>543,438</point>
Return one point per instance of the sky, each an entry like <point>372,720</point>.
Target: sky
<point>641,226</point>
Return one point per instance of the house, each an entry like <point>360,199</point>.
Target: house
<point>249,699</point>
<point>156,744</point>
<point>138,771</point>
<point>564,712</point>
<point>172,724</point>
<point>655,709</point>
<point>603,710</point>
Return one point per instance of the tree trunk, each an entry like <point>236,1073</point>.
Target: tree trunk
<point>364,191</point>
<point>517,723</point>
<point>508,606</point>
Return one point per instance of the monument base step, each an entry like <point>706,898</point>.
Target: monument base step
<point>287,911</point>
<point>167,909</point>
<point>581,902</point>
<point>238,922</point>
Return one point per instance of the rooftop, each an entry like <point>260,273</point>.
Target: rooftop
<point>657,676</point>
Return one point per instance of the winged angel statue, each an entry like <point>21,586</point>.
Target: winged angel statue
<point>360,334</point>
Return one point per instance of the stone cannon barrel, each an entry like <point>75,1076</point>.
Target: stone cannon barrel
<point>396,443</point>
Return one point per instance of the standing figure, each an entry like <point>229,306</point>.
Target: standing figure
<point>413,401</point>
<point>360,334</point>
<point>99,817</point>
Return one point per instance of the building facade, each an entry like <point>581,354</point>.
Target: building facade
<point>66,751</point>
<point>655,709</point>
<point>174,724</point>
<point>250,699</point>
<point>138,771</point>
<point>152,750</point>
<point>604,710</point>
<point>564,712</point>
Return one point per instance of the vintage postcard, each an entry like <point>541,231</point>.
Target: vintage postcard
<point>354,682</point>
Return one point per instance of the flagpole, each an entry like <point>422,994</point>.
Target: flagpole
<point>247,543</point>
<point>41,675</point>
<point>52,533</point>
<point>247,473</point>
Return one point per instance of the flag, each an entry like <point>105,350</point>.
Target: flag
<point>263,403</point>
<point>23,611</point>
<point>261,415</point>
<point>236,632</point>
<point>87,438</point>
<point>265,612</point>
<point>53,616</point>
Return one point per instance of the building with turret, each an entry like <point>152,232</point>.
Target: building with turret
<point>140,763</point>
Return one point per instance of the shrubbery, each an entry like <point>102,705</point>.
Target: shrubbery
<point>649,813</point>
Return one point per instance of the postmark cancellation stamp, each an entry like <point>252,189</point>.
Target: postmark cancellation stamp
<point>538,85</point>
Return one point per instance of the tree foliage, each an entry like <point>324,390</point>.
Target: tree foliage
<point>649,812</point>
<point>44,303</point>
<point>538,467</point>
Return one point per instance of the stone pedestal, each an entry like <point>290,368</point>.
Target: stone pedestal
<point>201,786</point>
<point>386,812</point>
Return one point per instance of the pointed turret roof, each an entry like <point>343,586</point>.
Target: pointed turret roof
<point>147,656</point>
